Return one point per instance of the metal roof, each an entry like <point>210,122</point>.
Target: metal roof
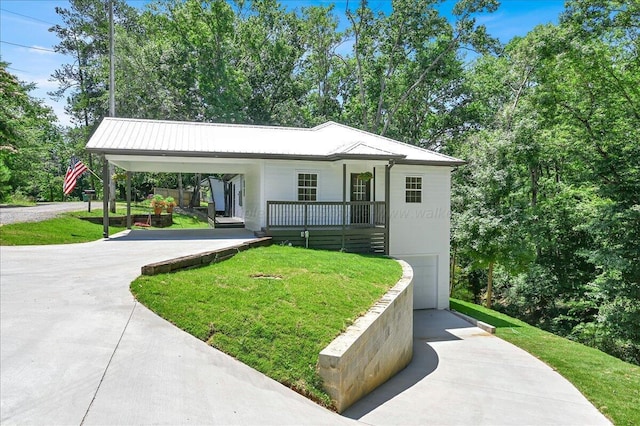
<point>327,142</point>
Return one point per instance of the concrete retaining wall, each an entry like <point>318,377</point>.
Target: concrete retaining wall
<point>373,349</point>
<point>202,259</point>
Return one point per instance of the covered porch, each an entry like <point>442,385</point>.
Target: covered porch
<point>354,226</point>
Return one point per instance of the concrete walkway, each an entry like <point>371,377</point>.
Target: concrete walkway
<point>461,375</point>
<point>75,348</point>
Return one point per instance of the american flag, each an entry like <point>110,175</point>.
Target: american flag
<point>75,170</point>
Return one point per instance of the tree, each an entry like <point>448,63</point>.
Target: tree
<point>410,54</point>
<point>562,105</point>
<point>28,136</point>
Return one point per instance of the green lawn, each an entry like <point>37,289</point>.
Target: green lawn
<point>67,228</point>
<point>612,385</point>
<point>180,221</point>
<point>273,308</point>
<point>61,230</point>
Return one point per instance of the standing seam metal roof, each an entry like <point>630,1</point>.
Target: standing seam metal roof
<point>331,140</point>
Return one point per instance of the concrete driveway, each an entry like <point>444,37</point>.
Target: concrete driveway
<point>75,347</point>
<point>461,375</point>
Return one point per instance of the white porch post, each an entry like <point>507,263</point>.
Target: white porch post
<point>387,200</point>
<point>128,190</point>
<point>105,198</point>
<point>344,203</point>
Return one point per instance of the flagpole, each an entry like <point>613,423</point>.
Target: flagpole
<point>112,104</point>
<point>94,173</point>
<point>108,170</point>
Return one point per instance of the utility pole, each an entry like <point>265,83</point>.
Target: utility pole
<point>112,104</point>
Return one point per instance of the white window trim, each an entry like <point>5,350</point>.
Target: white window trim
<point>404,182</point>
<point>295,182</point>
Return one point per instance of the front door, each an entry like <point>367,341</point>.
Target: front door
<point>360,191</point>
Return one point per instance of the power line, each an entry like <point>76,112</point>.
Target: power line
<point>29,47</point>
<point>16,69</point>
<point>26,16</point>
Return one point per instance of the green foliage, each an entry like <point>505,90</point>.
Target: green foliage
<point>28,137</point>
<point>273,308</point>
<point>612,385</point>
<point>553,180</point>
<point>17,198</point>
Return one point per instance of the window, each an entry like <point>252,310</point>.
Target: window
<point>413,189</point>
<point>307,187</point>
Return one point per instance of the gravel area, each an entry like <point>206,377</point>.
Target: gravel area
<point>42,211</point>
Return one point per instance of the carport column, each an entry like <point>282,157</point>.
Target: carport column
<point>344,203</point>
<point>387,200</point>
<point>105,197</point>
<point>128,189</point>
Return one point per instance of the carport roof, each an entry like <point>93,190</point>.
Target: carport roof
<point>328,142</point>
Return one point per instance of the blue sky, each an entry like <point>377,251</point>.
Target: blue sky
<point>27,45</point>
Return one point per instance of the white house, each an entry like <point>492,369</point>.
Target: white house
<point>331,186</point>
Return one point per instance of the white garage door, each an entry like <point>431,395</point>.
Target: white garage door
<point>425,281</point>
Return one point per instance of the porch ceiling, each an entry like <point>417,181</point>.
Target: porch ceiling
<point>176,164</point>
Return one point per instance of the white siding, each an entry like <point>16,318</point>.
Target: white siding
<point>238,196</point>
<point>281,179</point>
<point>217,192</point>
<point>419,232</point>
<point>253,201</point>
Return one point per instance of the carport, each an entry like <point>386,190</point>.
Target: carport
<point>114,146</point>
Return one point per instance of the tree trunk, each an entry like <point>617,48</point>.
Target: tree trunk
<point>453,270</point>
<point>195,198</point>
<point>112,189</point>
<point>489,286</point>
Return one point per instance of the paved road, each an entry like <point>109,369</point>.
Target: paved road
<point>42,211</point>
<point>75,348</point>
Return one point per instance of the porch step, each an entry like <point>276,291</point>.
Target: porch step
<point>229,225</point>
<point>229,222</point>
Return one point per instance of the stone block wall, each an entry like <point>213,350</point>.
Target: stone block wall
<point>377,346</point>
<point>202,259</point>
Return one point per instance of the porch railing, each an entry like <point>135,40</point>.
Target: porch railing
<point>325,214</point>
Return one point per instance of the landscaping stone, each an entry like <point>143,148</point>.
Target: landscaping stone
<point>202,259</point>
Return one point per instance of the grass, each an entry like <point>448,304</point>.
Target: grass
<point>60,230</point>
<point>180,221</point>
<point>121,210</point>
<point>612,385</point>
<point>67,228</point>
<point>273,308</point>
